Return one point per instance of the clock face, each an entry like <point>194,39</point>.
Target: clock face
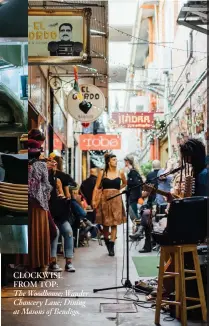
<point>89,106</point>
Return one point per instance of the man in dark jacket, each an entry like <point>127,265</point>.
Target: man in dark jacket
<point>86,190</point>
<point>133,180</point>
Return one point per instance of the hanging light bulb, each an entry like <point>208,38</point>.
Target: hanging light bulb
<point>67,88</point>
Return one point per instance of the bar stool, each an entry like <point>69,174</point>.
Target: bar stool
<point>180,286</point>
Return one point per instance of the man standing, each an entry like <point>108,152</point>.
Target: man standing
<point>65,47</point>
<point>133,184</point>
<point>87,188</point>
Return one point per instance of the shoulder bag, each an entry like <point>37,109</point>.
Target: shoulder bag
<point>97,194</point>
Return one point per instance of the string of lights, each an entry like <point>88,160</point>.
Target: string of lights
<point>145,41</point>
<point>134,37</point>
<point>141,67</point>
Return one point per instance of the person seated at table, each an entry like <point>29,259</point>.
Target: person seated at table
<point>86,190</point>
<point>66,180</point>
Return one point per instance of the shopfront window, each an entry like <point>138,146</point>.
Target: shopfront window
<point>37,89</point>
<point>12,79</point>
<point>60,122</point>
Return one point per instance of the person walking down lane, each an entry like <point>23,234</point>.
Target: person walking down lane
<point>134,180</point>
<point>110,213</point>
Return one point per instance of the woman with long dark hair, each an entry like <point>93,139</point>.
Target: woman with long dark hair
<point>193,152</point>
<point>110,213</point>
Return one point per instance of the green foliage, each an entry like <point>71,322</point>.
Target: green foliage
<point>146,168</point>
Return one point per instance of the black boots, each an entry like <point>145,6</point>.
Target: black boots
<point>138,235</point>
<point>147,244</point>
<point>107,243</point>
<point>110,247</point>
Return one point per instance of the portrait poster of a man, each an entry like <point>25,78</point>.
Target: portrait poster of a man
<point>65,47</point>
<point>56,36</point>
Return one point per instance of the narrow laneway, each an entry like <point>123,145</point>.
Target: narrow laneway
<point>94,269</point>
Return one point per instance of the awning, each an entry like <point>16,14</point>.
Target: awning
<point>14,19</point>
<point>194,15</point>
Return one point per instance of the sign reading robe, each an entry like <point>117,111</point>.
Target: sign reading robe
<point>89,142</point>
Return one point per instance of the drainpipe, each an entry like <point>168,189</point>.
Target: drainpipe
<point>168,111</point>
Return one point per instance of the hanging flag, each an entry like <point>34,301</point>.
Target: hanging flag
<point>76,86</point>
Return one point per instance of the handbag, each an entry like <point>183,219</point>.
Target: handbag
<point>97,195</point>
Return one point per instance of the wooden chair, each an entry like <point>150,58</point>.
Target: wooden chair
<point>181,298</point>
<point>14,197</point>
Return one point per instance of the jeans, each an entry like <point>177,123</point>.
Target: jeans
<point>77,209</point>
<point>66,231</point>
<point>133,210</point>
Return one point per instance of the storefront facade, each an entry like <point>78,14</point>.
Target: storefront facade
<point>38,102</point>
<point>13,96</point>
<point>58,129</point>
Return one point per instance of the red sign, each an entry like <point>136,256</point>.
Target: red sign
<point>143,120</point>
<point>99,142</point>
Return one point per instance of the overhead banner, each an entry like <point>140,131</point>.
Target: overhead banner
<point>143,120</point>
<point>99,142</point>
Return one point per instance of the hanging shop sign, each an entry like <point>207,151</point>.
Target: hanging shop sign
<point>141,120</point>
<point>90,107</point>
<point>59,36</point>
<point>99,142</point>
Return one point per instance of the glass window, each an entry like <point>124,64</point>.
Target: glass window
<point>60,122</point>
<point>37,89</point>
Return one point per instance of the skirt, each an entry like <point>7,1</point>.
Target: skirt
<point>112,212</point>
<point>38,239</point>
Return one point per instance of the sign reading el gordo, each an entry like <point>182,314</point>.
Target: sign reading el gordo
<point>90,108</point>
